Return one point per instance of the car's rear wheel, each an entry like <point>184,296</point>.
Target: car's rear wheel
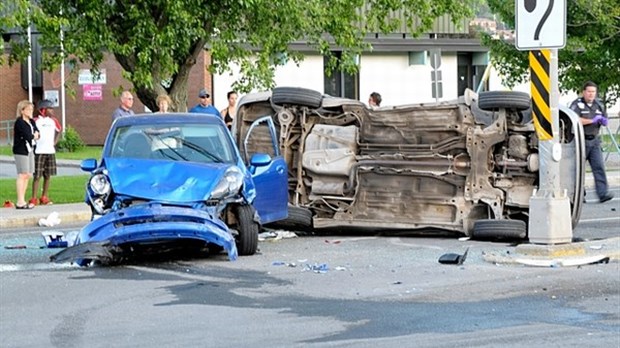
<point>296,96</point>
<point>499,229</point>
<point>299,218</point>
<point>247,241</point>
<point>494,100</point>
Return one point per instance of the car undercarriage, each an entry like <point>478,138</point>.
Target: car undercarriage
<point>440,166</point>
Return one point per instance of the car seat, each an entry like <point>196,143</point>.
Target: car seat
<point>137,146</point>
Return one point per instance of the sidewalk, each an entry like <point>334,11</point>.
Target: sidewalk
<point>59,162</point>
<point>68,214</point>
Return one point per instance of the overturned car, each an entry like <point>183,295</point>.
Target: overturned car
<point>176,182</point>
<point>467,166</point>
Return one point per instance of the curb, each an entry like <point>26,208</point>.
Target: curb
<point>67,216</point>
<point>570,254</point>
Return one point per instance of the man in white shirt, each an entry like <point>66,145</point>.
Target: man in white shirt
<point>45,151</point>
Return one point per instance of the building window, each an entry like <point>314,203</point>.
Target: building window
<point>340,83</point>
<point>471,68</point>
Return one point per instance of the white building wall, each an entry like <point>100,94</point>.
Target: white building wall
<point>387,73</point>
<point>309,74</point>
<point>399,83</point>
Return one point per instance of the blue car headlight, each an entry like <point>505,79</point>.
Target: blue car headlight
<point>100,184</point>
<point>229,184</point>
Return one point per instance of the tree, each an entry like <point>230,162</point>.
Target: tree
<point>592,49</point>
<point>159,40</point>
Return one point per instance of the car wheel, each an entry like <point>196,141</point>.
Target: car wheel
<point>296,96</point>
<point>499,229</point>
<point>247,241</point>
<point>493,100</point>
<point>298,219</point>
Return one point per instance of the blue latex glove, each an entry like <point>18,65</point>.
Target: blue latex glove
<point>603,121</point>
<point>597,119</point>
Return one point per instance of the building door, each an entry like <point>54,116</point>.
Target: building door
<point>471,66</point>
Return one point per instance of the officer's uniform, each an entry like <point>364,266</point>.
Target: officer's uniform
<point>594,154</point>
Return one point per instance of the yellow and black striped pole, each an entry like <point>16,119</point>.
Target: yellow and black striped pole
<point>550,214</point>
<point>540,63</point>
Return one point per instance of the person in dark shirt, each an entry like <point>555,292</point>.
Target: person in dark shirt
<point>374,101</point>
<point>592,115</point>
<point>230,111</point>
<point>25,134</point>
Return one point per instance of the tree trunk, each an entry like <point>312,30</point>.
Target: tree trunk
<point>178,88</point>
<point>177,91</point>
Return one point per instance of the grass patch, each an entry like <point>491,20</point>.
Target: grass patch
<point>63,189</point>
<point>87,152</point>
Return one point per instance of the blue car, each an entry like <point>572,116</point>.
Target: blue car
<point>170,182</point>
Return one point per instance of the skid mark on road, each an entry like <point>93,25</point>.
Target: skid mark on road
<point>401,242</point>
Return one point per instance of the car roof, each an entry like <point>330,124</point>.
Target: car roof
<point>167,118</point>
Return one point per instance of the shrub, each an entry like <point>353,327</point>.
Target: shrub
<point>71,142</point>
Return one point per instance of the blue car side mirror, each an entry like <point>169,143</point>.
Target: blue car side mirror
<point>89,164</point>
<point>260,160</point>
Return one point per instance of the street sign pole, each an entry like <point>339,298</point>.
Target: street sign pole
<point>541,28</point>
<point>550,216</point>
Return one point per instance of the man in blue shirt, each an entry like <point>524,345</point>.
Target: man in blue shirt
<point>125,108</point>
<point>205,107</point>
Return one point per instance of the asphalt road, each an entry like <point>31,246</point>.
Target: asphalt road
<point>377,292</point>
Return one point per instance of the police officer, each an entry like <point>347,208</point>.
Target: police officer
<point>590,111</point>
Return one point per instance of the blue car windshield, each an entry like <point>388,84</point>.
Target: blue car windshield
<point>203,143</point>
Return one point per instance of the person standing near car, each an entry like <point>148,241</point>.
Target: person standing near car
<point>163,103</point>
<point>230,112</point>
<point>592,116</point>
<point>25,133</point>
<point>204,106</point>
<point>374,101</point>
<point>125,108</point>
<point>45,151</point>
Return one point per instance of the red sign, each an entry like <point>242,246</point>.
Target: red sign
<point>92,92</point>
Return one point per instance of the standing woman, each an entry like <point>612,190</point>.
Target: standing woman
<point>25,133</point>
<point>163,103</point>
<point>229,113</point>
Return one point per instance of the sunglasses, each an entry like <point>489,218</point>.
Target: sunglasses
<point>205,97</point>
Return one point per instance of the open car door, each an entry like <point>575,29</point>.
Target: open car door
<point>572,165</point>
<point>271,180</point>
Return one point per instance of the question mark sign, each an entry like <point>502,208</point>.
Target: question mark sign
<point>530,6</point>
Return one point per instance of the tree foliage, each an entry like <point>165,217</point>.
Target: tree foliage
<point>592,49</point>
<point>160,40</point>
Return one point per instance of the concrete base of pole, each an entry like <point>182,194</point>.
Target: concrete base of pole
<point>550,220</point>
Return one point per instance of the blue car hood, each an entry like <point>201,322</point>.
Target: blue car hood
<point>174,182</point>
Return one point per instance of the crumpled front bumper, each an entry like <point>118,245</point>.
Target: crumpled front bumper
<point>151,223</point>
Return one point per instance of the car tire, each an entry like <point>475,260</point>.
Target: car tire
<point>499,229</point>
<point>299,219</point>
<point>296,96</point>
<point>247,241</point>
<point>494,100</point>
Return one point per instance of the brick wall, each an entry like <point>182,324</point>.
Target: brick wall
<point>11,93</point>
<point>90,118</point>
